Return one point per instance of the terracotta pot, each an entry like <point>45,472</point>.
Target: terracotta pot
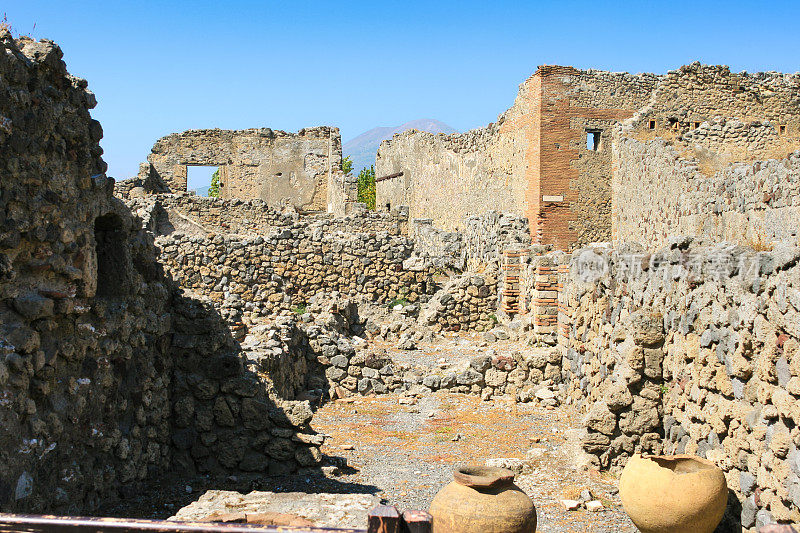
<point>673,493</point>
<point>483,499</point>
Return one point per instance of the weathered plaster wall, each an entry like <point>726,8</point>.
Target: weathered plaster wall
<point>658,193</point>
<point>448,177</point>
<point>271,165</point>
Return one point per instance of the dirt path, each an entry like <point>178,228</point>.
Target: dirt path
<point>408,452</point>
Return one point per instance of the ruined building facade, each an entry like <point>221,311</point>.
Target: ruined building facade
<point>554,155</point>
<point>301,169</point>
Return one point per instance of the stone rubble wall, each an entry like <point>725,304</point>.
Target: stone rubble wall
<point>84,360</point>
<point>466,303</point>
<point>109,377</point>
<point>698,93</point>
<point>260,276</point>
<point>693,349</point>
<point>658,193</point>
<point>336,338</point>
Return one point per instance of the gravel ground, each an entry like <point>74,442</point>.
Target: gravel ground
<point>408,453</point>
<point>403,450</point>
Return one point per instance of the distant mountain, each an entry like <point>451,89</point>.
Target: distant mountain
<point>201,191</point>
<point>363,148</point>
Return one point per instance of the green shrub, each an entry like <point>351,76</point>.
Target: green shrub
<point>366,186</point>
<point>347,165</point>
<point>213,191</point>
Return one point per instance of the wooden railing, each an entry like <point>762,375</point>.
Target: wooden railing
<point>382,519</point>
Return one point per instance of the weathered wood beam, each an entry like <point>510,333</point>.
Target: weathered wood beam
<point>389,176</point>
<point>384,519</point>
<point>14,523</point>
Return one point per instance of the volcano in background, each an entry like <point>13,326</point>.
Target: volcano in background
<point>362,149</point>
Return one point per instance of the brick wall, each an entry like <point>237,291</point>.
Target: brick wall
<point>560,165</point>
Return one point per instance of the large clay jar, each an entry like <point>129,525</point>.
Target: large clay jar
<point>483,499</point>
<point>673,493</point>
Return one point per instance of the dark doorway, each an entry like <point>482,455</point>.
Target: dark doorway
<point>112,258</point>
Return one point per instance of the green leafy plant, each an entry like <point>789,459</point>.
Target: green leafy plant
<point>663,390</point>
<point>397,301</point>
<point>347,165</point>
<point>493,318</point>
<point>213,191</point>
<point>366,186</point>
<point>300,309</point>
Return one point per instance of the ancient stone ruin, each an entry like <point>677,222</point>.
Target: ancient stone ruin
<point>558,157</point>
<point>146,332</point>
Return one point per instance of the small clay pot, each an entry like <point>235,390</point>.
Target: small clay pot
<point>673,493</point>
<point>483,499</point>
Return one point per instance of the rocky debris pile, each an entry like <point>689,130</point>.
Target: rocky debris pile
<point>465,303</point>
<point>586,501</point>
<point>281,509</point>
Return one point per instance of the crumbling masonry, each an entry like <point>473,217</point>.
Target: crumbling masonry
<point>145,330</point>
<point>557,153</point>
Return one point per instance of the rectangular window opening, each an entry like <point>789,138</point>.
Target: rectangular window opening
<point>782,130</point>
<point>201,180</point>
<point>593,140</point>
<point>652,124</point>
<point>696,125</point>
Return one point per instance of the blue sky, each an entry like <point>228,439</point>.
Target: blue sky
<point>160,67</point>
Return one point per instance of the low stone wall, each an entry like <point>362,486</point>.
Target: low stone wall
<point>265,275</point>
<point>523,376</point>
<point>694,349</point>
<point>466,303</point>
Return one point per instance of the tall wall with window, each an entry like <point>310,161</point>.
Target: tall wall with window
<point>271,165</point>
<point>714,154</point>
